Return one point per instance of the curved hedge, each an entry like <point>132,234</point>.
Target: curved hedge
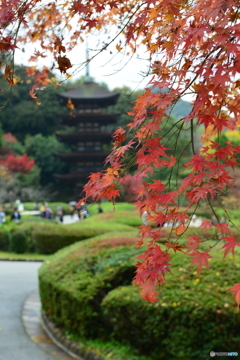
<point>86,289</point>
<point>47,238</point>
<point>83,280</point>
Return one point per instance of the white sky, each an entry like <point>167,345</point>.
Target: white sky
<point>112,70</point>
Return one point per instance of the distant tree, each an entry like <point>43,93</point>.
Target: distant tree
<point>21,164</point>
<point>124,104</point>
<point>21,115</point>
<point>43,149</point>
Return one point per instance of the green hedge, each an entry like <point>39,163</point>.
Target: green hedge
<point>83,280</point>
<point>18,242</point>
<point>4,238</point>
<point>50,238</point>
<point>86,289</point>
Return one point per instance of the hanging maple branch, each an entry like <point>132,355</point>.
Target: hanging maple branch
<point>193,48</point>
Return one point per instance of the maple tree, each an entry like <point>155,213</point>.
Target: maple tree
<point>193,49</point>
<point>21,164</point>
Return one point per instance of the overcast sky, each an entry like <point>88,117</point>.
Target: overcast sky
<point>114,70</point>
<point>110,66</point>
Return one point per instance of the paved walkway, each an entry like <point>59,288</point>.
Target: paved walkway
<point>68,219</point>
<point>17,281</point>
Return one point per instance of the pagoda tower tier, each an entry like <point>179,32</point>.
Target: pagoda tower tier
<point>86,118</point>
<point>78,156</point>
<point>87,105</point>
<point>85,136</point>
<point>76,178</point>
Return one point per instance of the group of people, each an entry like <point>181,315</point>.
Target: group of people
<point>81,210</point>
<point>46,212</point>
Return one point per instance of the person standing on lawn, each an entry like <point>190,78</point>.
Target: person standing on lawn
<point>2,215</point>
<point>16,217</point>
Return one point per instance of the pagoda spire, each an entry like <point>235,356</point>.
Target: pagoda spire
<point>87,76</point>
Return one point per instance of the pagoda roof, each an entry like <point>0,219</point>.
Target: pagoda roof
<point>84,135</point>
<point>83,155</point>
<point>89,94</point>
<point>101,117</point>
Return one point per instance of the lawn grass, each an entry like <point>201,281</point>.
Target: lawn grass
<point>4,255</point>
<point>109,350</point>
<point>109,207</point>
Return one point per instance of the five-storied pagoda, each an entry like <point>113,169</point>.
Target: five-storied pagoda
<point>88,103</point>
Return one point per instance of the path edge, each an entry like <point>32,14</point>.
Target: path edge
<point>72,348</point>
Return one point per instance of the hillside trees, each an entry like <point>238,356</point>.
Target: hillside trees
<point>193,49</point>
<point>43,149</point>
<point>22,116</point>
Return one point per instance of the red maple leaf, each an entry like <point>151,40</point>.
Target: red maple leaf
<point>119,136</point>
<point>193,242</point>
<point>236,294</point>
<point>206,224</point>
<point>223,228</point>
<point>148,291</point>
<point>230,245</point>
<point>200,259</point>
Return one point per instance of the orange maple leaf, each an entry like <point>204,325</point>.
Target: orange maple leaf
<point>180,229</point>
<point>34,96</point>
<point>176,247</point>
<point>70,105</point>
<point>8,74</point>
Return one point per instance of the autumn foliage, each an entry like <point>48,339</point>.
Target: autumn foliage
<point>21,164</point>
<point>193,49</point>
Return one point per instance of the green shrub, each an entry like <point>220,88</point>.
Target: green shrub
<point>19,242</point>
<point>86,289</point>
<point>83,280</point>
<point>50,238</point>
<point>4,239</point>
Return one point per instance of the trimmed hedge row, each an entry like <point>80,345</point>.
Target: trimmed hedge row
<point>47,238</point>
<point>86,290</point>
<point>83,281</point>
<point>4,239</point>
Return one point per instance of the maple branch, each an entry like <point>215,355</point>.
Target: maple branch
<point>192,137</point>
<point>113,39</point>
<point>213,211</point>
<point>226,212</point>
<point>174,152</point>
<point>178,164</point>
<point>187,227</point>
<point>204,61</point>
